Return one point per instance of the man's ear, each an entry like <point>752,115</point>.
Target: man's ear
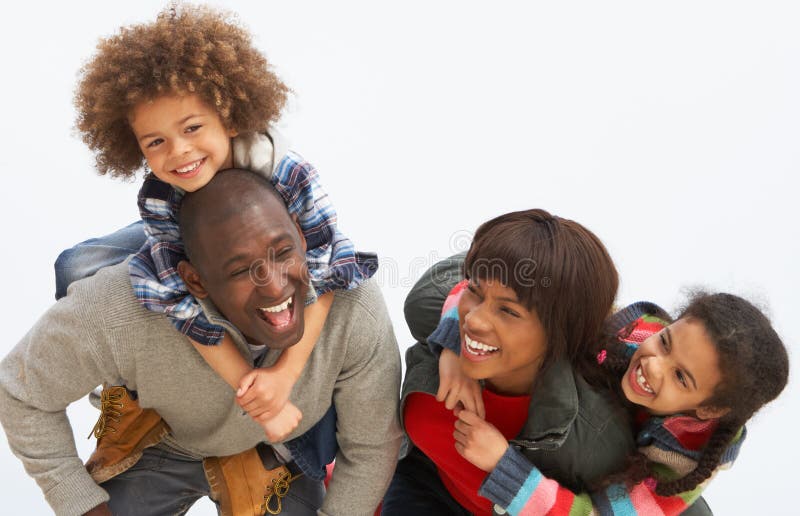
<point>300,232</point>
<point>711,412</point>
<point>191,277</point>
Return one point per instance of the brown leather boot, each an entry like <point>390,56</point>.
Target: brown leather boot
<point>244,487</point>
<point>123,430</point>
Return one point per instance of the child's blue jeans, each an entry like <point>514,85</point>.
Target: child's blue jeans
<point>84,259</point>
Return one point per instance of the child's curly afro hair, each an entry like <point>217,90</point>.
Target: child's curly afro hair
<point>186,50</point>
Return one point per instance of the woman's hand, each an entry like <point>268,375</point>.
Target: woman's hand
<point>455,386</point>
<point>478,441</point>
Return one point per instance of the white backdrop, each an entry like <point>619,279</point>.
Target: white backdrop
<point>669,129</point>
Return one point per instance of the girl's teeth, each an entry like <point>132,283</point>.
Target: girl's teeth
<point>641,381</point>
<point>279,308</point>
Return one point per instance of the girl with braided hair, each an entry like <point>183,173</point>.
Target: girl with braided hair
<point>689,385</point>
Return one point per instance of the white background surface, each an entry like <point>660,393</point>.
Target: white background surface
<point>669,129</point>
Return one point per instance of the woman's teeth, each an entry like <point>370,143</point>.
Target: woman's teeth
<point>641,381</point>
<point>189,168</point>
<point>478,348</point>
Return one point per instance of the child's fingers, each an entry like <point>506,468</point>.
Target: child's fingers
<point>444,389</point>
<point>451,400</point>
<point>468,401</point>
<point>246,382</point>
<point>469,417</point>
<point>480,409</point>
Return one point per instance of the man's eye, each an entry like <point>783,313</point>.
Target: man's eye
<point>155,143</point>
<point>286,251</point>
<point>239,272</point>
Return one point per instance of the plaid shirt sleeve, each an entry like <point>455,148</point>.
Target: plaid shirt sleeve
<point>333,261</point>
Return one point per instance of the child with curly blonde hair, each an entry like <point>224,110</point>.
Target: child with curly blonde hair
<point>186,96</point>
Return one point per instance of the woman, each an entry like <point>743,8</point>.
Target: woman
<point>540,288</point>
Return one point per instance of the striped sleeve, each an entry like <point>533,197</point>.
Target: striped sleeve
<point>519,488</point>
<point>447,334</point>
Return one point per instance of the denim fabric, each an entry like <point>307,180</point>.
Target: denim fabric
<point>316,448</point>
<point>312,451</point>
<point>167,483</point>
<point>417,489</point>
<point>84,259</point>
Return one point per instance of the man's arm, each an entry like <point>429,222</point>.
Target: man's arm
<point>56,363</point>
<point>366,395</point>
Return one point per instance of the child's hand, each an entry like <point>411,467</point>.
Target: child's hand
<point>455,386</point>
<point>478,441</point>
<point>281,425</point>
<point>264,392</point>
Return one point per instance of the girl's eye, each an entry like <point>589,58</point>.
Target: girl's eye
<point>193,128</point>
<point>239,272</point>
<point>286,251</point>
<point>155,143</point>
<point>681,378</point>
<point>664,342</point>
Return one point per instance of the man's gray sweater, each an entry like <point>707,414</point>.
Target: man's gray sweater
<point>100,333</point>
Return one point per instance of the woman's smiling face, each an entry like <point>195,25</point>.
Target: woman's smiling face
<point>502,341</point>
<point>675,370</point>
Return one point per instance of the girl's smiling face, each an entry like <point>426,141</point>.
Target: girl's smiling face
<point>674,371</point>
<point>502,341</point>
<point>182,139</point>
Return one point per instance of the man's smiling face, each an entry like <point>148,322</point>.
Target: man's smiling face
<point>250,261</point>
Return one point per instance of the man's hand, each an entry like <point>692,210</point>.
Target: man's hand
<point>478,441</point>
<point>101,510</point>
<point>455,386</point>
<point>263,393</point>
<point>281,425</point>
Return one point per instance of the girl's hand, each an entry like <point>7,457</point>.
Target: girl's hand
<point>478,441</point>
<point>455,386</point>
<point>278,427</point>
<point>263,393</point>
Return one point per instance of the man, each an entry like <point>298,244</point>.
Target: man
<point>246,254</point>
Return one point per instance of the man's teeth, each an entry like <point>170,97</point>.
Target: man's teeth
<point>641,381</point>
<point>189,167</point>
<point>478,348</point>
<point>278,308</point>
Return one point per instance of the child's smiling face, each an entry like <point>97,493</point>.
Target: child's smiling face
<point>183,140</point>
<point>674,371</point>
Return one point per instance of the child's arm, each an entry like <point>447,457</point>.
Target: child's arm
<point>455,386</point>
<point>225,359</point>
<point>263,392</point>
<point>232,367</point>
<point>519,487</point>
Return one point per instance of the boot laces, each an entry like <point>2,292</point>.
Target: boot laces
<point>110,410</point>
<point>278,489</point>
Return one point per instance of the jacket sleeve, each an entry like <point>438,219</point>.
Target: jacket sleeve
<point>60,360</point>
<point>518,487</point>
<point>366,396</point>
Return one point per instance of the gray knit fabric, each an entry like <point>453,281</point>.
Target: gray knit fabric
<point>100,333</point>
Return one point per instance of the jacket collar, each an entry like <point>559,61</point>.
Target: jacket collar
<point>553,408</point>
